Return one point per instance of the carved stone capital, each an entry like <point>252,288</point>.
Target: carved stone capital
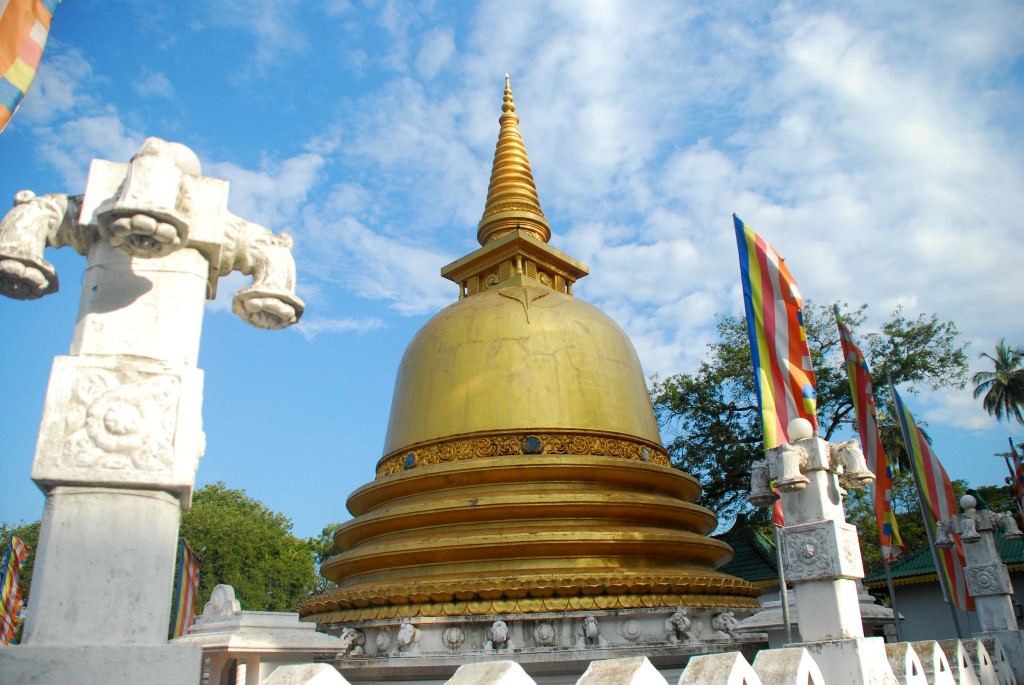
<point>191,211</point>
<point>121,422</point>
<point>983,519</point>
<point>154,205</point>
<point>822,550</point>
<point>989,579</point>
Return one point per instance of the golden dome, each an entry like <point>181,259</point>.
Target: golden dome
<point>518,359</point>
<point>523,470</point>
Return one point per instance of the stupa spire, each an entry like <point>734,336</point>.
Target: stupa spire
<point>512,201</point>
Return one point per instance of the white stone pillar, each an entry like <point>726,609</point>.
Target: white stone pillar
<point>121,433</point>
<point>821,554</point>
<point>988,581</point>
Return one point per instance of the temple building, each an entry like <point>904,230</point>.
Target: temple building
<point>524,502</point>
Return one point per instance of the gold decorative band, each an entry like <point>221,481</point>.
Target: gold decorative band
<point>531,595</point>
<point>506,443</point>
<point>321,613</point>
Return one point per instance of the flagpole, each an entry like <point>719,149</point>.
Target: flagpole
<point>892,599</point>
<point>1009,467</point>
<point>783,590</point>
<point>926,517</point>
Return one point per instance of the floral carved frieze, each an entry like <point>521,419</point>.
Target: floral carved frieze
<point>123,421</point>
<point>989,579</point>
<point>120,419</point>
<point>515,443</point>
<point>821,550</point>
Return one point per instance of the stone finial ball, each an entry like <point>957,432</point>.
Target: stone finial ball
<point>799,429</point>
<point>967,502</point>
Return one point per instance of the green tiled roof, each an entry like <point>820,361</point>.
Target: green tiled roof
<point>753,554</point>
<point>921,564</point>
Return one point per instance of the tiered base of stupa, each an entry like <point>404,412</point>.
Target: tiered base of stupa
<point>553,560</point>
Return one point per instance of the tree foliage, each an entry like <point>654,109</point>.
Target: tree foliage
<point>322,547</point>
<point>711,418</point>
<point>860,511</point>
<point>242,543</point>
<point>1002,388</point>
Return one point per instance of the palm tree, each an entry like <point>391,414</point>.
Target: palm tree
<point>1003,387</point>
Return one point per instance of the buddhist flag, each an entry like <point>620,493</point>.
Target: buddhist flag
<point>24,26</point>
<point>862,391</point>
<point>1018,479</point>
<point>778,343</point>
<point>10,589</point>
<point>938,502</point>
<point>187,587</point>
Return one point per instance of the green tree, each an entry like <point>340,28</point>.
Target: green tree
<point>860,511</point>
<point>242,543</point>
<point>711,419</point>
<point>322,547</point>
<point>1003,387</point>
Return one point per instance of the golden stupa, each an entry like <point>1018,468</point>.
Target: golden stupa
<point>523,472</point>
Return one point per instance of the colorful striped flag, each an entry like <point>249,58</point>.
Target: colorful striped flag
<point>862,390</point>
<point>10,589</point>
<point>783,373</point>
<point>938,503</point>
<point>1018,479</point>
<point>187,587</point>
<point>24,27</point>
<point>778,342</point>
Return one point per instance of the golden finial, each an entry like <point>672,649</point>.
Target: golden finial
<point>507,105</point>
<point>511,196</point>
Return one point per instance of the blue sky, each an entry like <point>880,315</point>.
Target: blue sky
<point>877,146</point>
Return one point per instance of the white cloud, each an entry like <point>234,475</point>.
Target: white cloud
<point>874,171</point>
<point>404,143</point>
<point>153,84</point>
<point>437,49</point>
<point>73,144</point>
<point>59,88</point>
<point>276,26</point>
<point>311,327</point>
<point>374,266</point>
<point>959,409</point>
<point>877,147</point>
<point>273,194</point>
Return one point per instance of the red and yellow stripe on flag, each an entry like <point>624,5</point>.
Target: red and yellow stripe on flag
<point>1018,479</point>
<point>24,27</point>
<point>778,342</point>
<point>10,589</point>
<point>939,503</point>
<point>862,391</point>
<point>187,587</point>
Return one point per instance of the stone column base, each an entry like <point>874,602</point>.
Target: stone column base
<point>852,662</point>
<point>1012,642</point>
<point>128,665</point>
